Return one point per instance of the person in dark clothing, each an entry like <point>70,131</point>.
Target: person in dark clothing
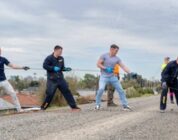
<point>54,65</point>
<point>163,66</point>
<point>169,79</point>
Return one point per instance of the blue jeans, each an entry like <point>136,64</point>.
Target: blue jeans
<point>104,80</point>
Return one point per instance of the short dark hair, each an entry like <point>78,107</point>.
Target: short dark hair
<point>167,58</point>
<point>114,46</point>
<point>57,47</point>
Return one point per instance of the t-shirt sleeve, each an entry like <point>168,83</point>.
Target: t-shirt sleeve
<point>102,57</point>
<point>6,62</point>
<point>47,64</point>
<point>119,61</point>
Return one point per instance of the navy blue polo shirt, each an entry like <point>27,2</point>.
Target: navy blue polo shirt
<point>3,61</point>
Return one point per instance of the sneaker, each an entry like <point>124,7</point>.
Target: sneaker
<point>97,107</point>
<point>42,109</point>
<point>112,105</point>
<point>20,111</point>
<point>127,108</point>
<point>162,111</point>
<point>76,109</point>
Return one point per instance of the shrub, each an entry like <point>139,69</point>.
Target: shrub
<point>132,92</point>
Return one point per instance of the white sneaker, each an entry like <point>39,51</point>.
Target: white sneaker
<point>162,111</point>
<point>97,107</point>
<point>127,108</point>
<point>20,110</point>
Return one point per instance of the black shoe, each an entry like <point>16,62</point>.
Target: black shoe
<point>76,109</point>
<point>43,109</point>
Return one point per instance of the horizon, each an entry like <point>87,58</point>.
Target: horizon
<point>145,31</point>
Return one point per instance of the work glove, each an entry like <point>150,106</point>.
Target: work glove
<point>133,75</point>
<point>26,68</point>
<point>56,69</point>
<point>109,70</point>
<point>164,85</point>
<point>67,69</point>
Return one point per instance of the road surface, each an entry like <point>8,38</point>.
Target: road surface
<point>144,123</point>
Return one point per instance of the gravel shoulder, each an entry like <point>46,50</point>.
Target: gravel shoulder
<point>145,122</point>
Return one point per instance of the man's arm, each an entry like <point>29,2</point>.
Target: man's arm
<point>63,65</point>
<point>100,64</point>
<point>65,68</point>
<point>13,66</point>
<point>125,68</point>
<point>47,66</point>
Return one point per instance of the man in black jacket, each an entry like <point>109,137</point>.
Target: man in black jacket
<point>54,65</point>
<point>169,80</point>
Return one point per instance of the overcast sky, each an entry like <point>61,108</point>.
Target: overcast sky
<point>146,32</point>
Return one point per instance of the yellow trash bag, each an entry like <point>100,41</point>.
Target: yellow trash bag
<point>116,69</point>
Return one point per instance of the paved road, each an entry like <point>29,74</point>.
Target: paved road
<point>144,123</point>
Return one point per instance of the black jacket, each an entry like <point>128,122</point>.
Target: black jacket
<point>170,73</point>
<point>49,63</point>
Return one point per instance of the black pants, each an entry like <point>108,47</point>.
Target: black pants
<point>171,95</point>
<point>110,93</point>
<point>163,99</point>
<point>52,86</point>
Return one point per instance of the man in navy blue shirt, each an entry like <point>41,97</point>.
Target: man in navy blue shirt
<point>54,65</point>
<point>4,82</point>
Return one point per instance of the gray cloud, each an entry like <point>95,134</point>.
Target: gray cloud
<point>87,28</point>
